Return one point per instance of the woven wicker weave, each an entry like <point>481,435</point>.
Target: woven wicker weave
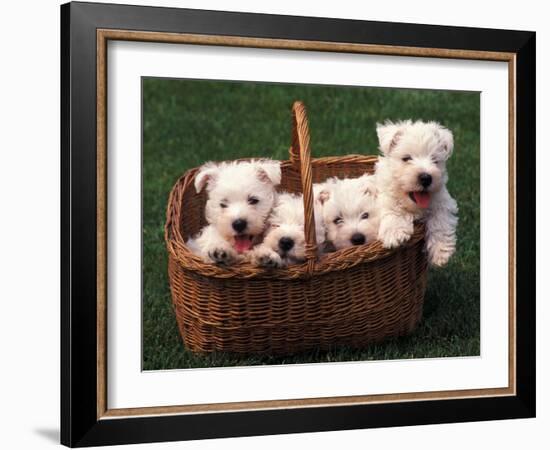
<point>354,296</point>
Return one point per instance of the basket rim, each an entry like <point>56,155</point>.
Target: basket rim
<point>335,261</point>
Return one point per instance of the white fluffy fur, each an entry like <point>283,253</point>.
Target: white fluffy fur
<point>286,221</point>
<point>349,206</point>
<point>428,145</point>
<point>236,190</point>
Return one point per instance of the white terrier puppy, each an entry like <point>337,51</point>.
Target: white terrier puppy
<point>349,209</point>
<point>284,242</point>
<point>411,179</point>
<point>241,195</point>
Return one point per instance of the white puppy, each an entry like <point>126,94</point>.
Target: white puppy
<point>350,211</point>
<point>284,242</point>
<point>241,195</point>
<point>411,178</point>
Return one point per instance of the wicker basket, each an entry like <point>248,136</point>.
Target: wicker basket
<point>353,297</point>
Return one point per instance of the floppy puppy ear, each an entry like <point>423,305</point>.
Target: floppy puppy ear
<point>368,185</point>
<point>446,141</point>
<point>323,196</point>
<point>372,191</point>
<point>206,176</point>
<point>269,172</point>
<point>389,134</point>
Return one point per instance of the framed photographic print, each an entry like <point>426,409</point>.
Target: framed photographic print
<point>276,224</point>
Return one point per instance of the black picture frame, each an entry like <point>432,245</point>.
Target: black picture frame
<point>80,425</point>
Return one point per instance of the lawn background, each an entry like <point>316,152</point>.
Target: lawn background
<point>189,122</point>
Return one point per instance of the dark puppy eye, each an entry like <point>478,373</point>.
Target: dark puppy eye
<point>253,200</point>
<point>435,160</point>
<point>365,215</point>
<point>406,158</point>
<point>223,205</point>
<point>337,221</point>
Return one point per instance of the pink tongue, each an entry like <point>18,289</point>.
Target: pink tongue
<point>242,243</point>
<point>422,199</point>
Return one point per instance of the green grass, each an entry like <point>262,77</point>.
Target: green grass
<point>188,122</point>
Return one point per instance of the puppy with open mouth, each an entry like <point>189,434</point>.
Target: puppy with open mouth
<point>411,177</point>
<point>241,195</point>
<point>284,241</point>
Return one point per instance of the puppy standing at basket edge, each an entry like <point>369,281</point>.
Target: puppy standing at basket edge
<point>411,178</point>
<point>241,195</point>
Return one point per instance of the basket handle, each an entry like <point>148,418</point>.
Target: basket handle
<point>300,157</point>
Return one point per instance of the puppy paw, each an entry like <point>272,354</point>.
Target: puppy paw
<point>223,256</point>
<point>395,237</point>
<point>268,259</point>
<point>439,254</point>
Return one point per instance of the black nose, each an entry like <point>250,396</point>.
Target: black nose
<point>239,225</point>
<point>285,244</point>
<point>358,239</point>
<point>425,179</point>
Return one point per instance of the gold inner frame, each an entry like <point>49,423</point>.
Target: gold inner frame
<point>103,36</point>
